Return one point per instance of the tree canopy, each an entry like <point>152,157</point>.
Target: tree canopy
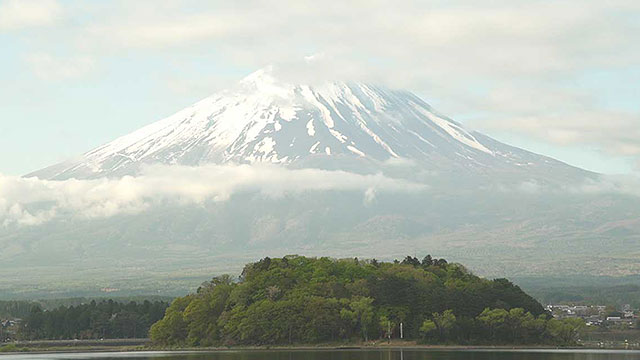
<point>298,299</point>
<point>93,320</point>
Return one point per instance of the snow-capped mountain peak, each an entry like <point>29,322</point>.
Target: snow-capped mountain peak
<point>266,119</point>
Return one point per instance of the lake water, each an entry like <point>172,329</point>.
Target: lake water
<point>421,354</point>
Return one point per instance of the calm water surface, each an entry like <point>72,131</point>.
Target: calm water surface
<point>348,355</point>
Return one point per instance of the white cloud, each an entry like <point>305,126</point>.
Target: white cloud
<point>30,201</point>
<point>614,133</point>
<point>503,37</point>
<point>19,14</point>
<point>169,32</point>
<point>48,67</point>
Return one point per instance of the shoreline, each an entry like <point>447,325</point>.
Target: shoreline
<point>351,347</point>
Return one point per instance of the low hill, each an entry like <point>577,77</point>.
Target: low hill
<point>295,299</point>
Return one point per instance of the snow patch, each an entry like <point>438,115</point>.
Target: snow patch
<point>311,131</point>
<point>265,147</point>
<point>310,96</point>
<point>336,134</point>
<point>312,150</point>
<point>455,131</point>
<point>288,113</point>
<point>355,150</point>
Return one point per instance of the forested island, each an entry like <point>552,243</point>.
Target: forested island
<point>301,300</point>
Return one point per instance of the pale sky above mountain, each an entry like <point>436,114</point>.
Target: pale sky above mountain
<point>559,78</point>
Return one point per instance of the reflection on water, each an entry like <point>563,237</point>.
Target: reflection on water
<point>413,354</point>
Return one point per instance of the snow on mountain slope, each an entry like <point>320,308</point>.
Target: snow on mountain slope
<point>264,119</point>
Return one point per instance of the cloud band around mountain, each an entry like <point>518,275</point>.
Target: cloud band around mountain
<point>31,201</point>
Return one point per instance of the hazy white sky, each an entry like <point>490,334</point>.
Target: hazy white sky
<point>560,78</point>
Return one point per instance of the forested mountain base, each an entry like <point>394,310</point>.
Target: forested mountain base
<point>300,300</point>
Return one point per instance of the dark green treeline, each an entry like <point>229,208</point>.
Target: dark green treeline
<point>312,300</point>
<point>15,309</point>
<point>94,320</point>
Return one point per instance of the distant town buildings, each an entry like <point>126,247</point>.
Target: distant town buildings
<point>8,329</point>
<point>597,315</point>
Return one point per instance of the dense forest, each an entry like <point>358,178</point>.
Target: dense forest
<point>295,300</point>
<point>15,309</point>
<point>94,320</point>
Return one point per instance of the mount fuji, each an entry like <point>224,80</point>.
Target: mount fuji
<point>332,124</point>
<point>503,210</point>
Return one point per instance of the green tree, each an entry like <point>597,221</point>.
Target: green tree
<point>361,313</point>
<point>172,329</point>
<point>565,331</point>
<point>444,322</point>
<point>493,320</point>
<point>427,328</point>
